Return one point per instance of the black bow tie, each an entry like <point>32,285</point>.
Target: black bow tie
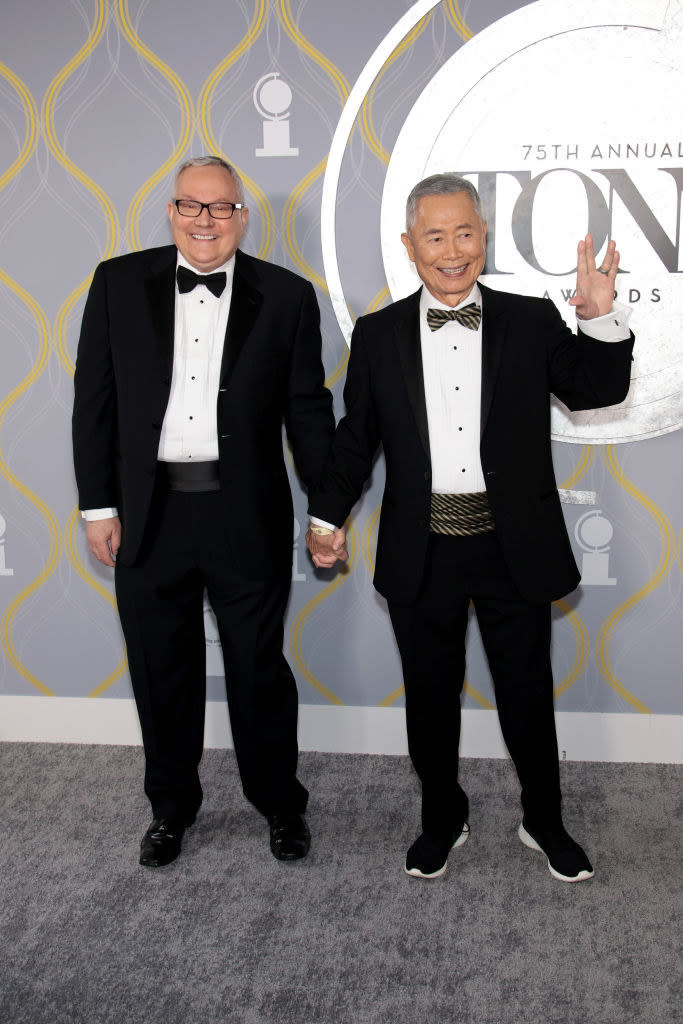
<point>187,279</point>
<point>468,316</point>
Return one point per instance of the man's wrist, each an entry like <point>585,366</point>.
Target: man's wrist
<point>329,527</point>
<point>91,515</point>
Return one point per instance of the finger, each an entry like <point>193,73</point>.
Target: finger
<point>589,250</point>
<point>581,259</point>
<point>608,258</point>
<point>612,272</point>
<point>102,553</point>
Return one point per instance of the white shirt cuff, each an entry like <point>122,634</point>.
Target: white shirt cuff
<point>613,326</point>
<point>92,514</point>
<point>321,522</point>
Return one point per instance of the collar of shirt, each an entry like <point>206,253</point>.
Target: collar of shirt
<point>427,301</point>
<point>228,267</point>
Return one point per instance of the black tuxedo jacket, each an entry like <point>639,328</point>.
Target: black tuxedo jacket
<point>528,353</point>
<point>271,372</point>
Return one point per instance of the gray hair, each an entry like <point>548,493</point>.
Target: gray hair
<point>212,161</point>
<point>445,184</point>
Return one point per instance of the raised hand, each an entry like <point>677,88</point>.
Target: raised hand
<point>326,550</point>
<point>594,285</point>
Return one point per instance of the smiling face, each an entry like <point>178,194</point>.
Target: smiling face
<point>447,244</point>
<point>204,241</point>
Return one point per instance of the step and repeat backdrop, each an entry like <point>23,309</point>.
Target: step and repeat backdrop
<point>566,116</point>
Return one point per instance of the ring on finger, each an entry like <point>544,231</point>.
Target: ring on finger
<point>601,271</point>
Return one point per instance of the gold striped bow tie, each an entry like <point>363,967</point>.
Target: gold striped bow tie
<point>468,316</point>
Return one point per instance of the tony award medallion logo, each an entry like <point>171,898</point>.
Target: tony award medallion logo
<point>593,532</point>
<point>4,571</point>
<point>272,99</point>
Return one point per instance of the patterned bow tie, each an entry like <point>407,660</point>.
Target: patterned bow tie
<point>187,280</point>
<point>468,316</point>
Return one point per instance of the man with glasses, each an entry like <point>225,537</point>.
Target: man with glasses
<point>190,359</point>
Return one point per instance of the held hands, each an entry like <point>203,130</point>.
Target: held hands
<point>327,549</point>
<point>594,286</point>
<point>104,539</point>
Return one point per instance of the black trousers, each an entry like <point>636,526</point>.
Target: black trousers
<point>431,638</point>
<point>160,602</point>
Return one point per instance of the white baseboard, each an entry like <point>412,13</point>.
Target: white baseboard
<point>582,736</point>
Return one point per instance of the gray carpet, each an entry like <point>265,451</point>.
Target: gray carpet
<point>227,935</point>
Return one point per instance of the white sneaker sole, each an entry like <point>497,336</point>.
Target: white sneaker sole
<point>529,841</point>
<point>462,838</point>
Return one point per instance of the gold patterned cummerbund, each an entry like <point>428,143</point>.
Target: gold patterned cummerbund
<point>461,515</point>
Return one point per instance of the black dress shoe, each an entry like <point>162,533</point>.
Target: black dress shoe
<point>161,842</point>
<point>289,836</point>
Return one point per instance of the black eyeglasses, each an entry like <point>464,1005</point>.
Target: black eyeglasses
<point>193,208</point>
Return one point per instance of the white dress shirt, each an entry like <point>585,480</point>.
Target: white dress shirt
<point>451,366</point>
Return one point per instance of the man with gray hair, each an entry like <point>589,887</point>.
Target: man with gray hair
<point>190,359</point>
<point>454,382</point>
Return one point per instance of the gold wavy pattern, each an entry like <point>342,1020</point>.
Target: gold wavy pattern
<point>31,132</point>
<point>110,216</point>
<point>75,559</point>
<point>367,126</point>
<point>339,369</point>
<point>666,557</point>
<point>292,29</point>
<point>208,136</point>
<point>296,631</point>
<point>582,648</point>
<point>585,460</point>
<point>7,622</point>
<point>396,694</point>
<point>186,124</point>
<point>455,17</point>
<point>294,199</point>
<point>370,540</point>
<point>289,226</point>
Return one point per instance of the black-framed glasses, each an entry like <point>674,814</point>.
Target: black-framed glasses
<point>219,211</point>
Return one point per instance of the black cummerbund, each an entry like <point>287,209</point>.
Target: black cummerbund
<point>191,477</point>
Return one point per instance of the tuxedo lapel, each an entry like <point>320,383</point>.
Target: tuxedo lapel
<point>492,339</point>
<point>160,289</point>
<point>410,355</point>
<point>245,304</point>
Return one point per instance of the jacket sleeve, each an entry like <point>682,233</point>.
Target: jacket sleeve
<point>355,442</point>
<point>309,419</point>
<point>582,372</point>
<point>94,411</point>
